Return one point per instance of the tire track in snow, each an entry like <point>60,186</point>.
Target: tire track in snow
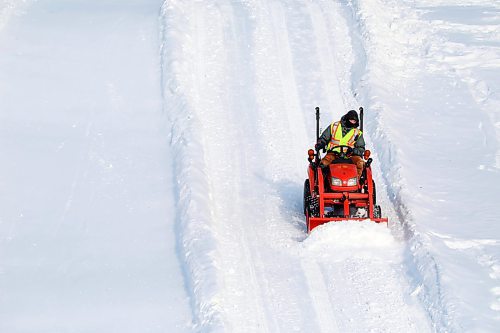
<point>318,291</point>
<point>313,276</point>
<point>241,286</point>
<point>248,158</point>
<point>277,103</point>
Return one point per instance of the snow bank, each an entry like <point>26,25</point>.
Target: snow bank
<point>194,233</point>
<point>433,120</point>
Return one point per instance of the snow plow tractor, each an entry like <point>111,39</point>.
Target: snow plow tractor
<point>335,193</point>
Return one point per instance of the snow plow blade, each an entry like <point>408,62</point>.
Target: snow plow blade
<point>317,221</point>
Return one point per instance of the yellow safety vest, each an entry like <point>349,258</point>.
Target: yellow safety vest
<point>338,140</point>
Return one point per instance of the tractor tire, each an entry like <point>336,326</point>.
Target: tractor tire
<point>374,193</point>
<point>314,207</point>
<point>377,212</point>
<point>311,205</point>
<point>307,196</point>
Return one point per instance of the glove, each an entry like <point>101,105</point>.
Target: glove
<point>357,152</point>
<point>318,146</point>
<point>318,165</point>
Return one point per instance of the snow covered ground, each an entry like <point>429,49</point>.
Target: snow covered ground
<point>87,232</point>
<point>155,152</point>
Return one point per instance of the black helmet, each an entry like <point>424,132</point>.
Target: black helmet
<point>351,115</point>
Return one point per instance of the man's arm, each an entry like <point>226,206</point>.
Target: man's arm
<point>324,139</point>
<point>359,146</point>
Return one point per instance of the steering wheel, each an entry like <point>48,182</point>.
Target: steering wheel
<point>342,151</point>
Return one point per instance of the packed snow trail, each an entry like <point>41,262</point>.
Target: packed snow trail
<point>87,238</point>
<point>241,80</point>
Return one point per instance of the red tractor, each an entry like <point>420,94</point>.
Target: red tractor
<point>336,193</point>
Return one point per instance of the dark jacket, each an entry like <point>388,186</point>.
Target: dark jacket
<point>359,145</point>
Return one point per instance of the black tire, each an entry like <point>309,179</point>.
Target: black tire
<point>311,205</point>
<point>374,193</point>
<point>307,195</point>
<point>314,207</point>
<point>377,212</point>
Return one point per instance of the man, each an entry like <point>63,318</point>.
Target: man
<point>343,133</point>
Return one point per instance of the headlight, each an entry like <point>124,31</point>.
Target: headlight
<point>352,181</point>
<point>336,182</point>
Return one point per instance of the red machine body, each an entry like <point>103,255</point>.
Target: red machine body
<point>337,194</point>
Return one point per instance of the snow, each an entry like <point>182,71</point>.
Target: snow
<point>155,153</point>
<point>87,229</point>
<point>438,83</point>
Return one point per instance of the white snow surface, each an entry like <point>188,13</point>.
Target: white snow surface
<point>155,153</point>
<point>87,222</point>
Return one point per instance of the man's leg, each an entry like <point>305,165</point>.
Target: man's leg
<point>360,164</point>
<point>325,161</point>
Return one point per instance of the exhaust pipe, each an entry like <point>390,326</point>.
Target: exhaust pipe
<point>361,118</point>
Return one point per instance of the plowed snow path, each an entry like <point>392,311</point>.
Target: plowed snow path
<point>241,80</point>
